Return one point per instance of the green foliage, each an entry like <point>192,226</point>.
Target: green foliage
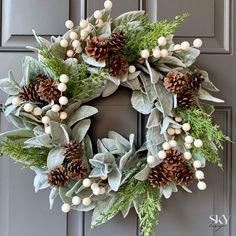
<point>127,194</point>
<point>203,128</point>
<point>145,35</point>
<point>32,156</point>
<point>149,210</point>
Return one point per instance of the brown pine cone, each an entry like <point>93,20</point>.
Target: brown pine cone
<point>97,48</point>
<point>57,177</point>
<point>175,82</point>
<point>29,93</point>
<point>194,80</point>
<point>76,169</point>
<point>117,65</point>
<point>40,77</point>
<point>185,99</point>
<point>173,162</point>
<point>47,89</point>
<point>73,150</point>
<point>117,41</point>
<point>185,176</point>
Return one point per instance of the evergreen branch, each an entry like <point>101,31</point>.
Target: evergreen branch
<point>33,156</point>
<point>148,213</point>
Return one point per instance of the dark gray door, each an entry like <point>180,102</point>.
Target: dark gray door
<point>24,213</point>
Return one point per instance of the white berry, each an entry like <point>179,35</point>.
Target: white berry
<point>97,14</point>
<point>198,143</point>
<point>166,146</point>
<point>87,183</point>
<point>171,131</point>
<point>83,24</point>
<point>65,208</point>
<point>63,100</point>
<point>96,191</point>
<point>94,185</point>
<point>197,164</point>
<point>185,45</point>
<point>132,69</point>
<point>16,101</point>
<point>108,4</point>
<point>76,43</point>
<point>186,127</point>
<point>188,139</point>
<point>79,50</point>
<point>62,87</point>
<point>28,107</point>
<point>177,47</point>
<point>188,145</point>
<point>75,60</point>
<point>76,200</point>
<point>56,108</point>
<point>48,130</point>
<point>178,119</point>
<point>88,29</point>
<point>178,131</point>
<point>63,115</point>
<point>64,78</point>
<point>103,177</point>
<point>145,54</point>
<point>73,35</point>
<point>37,111</point>
<point>164,52</point>
<point>99,23</point>
<point>201,185</point>
<point>162,41</point>
<point>162,154</point>
<point>197,43</point>
<point>64,43</point>
<point>199,174</point>
<point>157,53</point>
<point>151,160</point>
<point>70,53</point>
<point>173,143</point>
<point>86,201</point>
<point>84,34</point>
<point>69,24</point>
<point>102,190</point>
<point>188,156</point>
<point>45,120</point>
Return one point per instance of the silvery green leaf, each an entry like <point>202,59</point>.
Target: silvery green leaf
<point>104,31</point>
<point>143,174</point>
<point>186,189</point>
<point>41,41</point>
<point>63,191</point>
<point>30,117</point>
<point>207,84</point>
<point>133,84</point>
<point>105,16</point>
<point>53,115</point>
<point>40,181</point>
<point>109,89</point>
<point>59,134</point>
<point>82,113</point>
<point>138,201</point>
<point>204,95</point>
<point>154,75</point>
<point>172,62</point>
<point>38,130</point>
<point>16,134</point>
<point>141,103</point>
<point>155,135</point>
<point>33,49</point>
<point>167,191</point>
<point>115,80</point>
<point>109,144</point>
<point>165,99</point>
<point>96,173</point>
<point>175,101</point>
<point>126,209</point>
<point>117,137</point>
<point>142,68</point>
<point>87,146</point>
<point>104,158</point>
<point>72,108</point>
<point>127,17</point>
<point>207,108</point>
<point>74,189</point>
<point>7,86</point>
<point>166,122</point>
<point>189,56</point>
<point>55,157</point>
<point>91,61</point>
<point>114,179</point>
<point>154,119</point>
<point>9,109</point>
<point>133,75</point>
<point>101,148</point>
<point>149,87</point>
<point>16,121</point>
<point>52,196</point>
<point>57,50</point>
<point>80,130</point>
<point>45,140</point>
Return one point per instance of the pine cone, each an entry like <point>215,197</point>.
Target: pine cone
<point>47,89</point>
<point>117,65</point>
<point>175,82</point>
<point>194,80</point>
<point>73,150</point>
<point>117,41</point>
<point>173,162</point>
<point>40,77</point>
<point>185,176</point>
<point>29,93</point>
<point>76,169</point>
<point>97,48</point>
<point>185,99</point>
<point>57,177</point>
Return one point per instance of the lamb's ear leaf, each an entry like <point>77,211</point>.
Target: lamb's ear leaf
<point>143,174</point>
<point>204,95</point>
<point>52,196</point>
<point>40,181</point>
<point>92,62</point>
<point>114,179</point>
<point>59,133</point>
<point>80,130</point>
<point>55,157</point>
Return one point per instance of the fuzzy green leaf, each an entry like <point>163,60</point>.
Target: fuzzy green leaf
<point>55,158</point>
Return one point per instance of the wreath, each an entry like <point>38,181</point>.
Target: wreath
<point>52,117</point>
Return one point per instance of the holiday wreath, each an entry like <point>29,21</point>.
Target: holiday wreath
<point>92,60</point>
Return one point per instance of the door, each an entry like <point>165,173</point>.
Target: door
<point>24,213</point>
